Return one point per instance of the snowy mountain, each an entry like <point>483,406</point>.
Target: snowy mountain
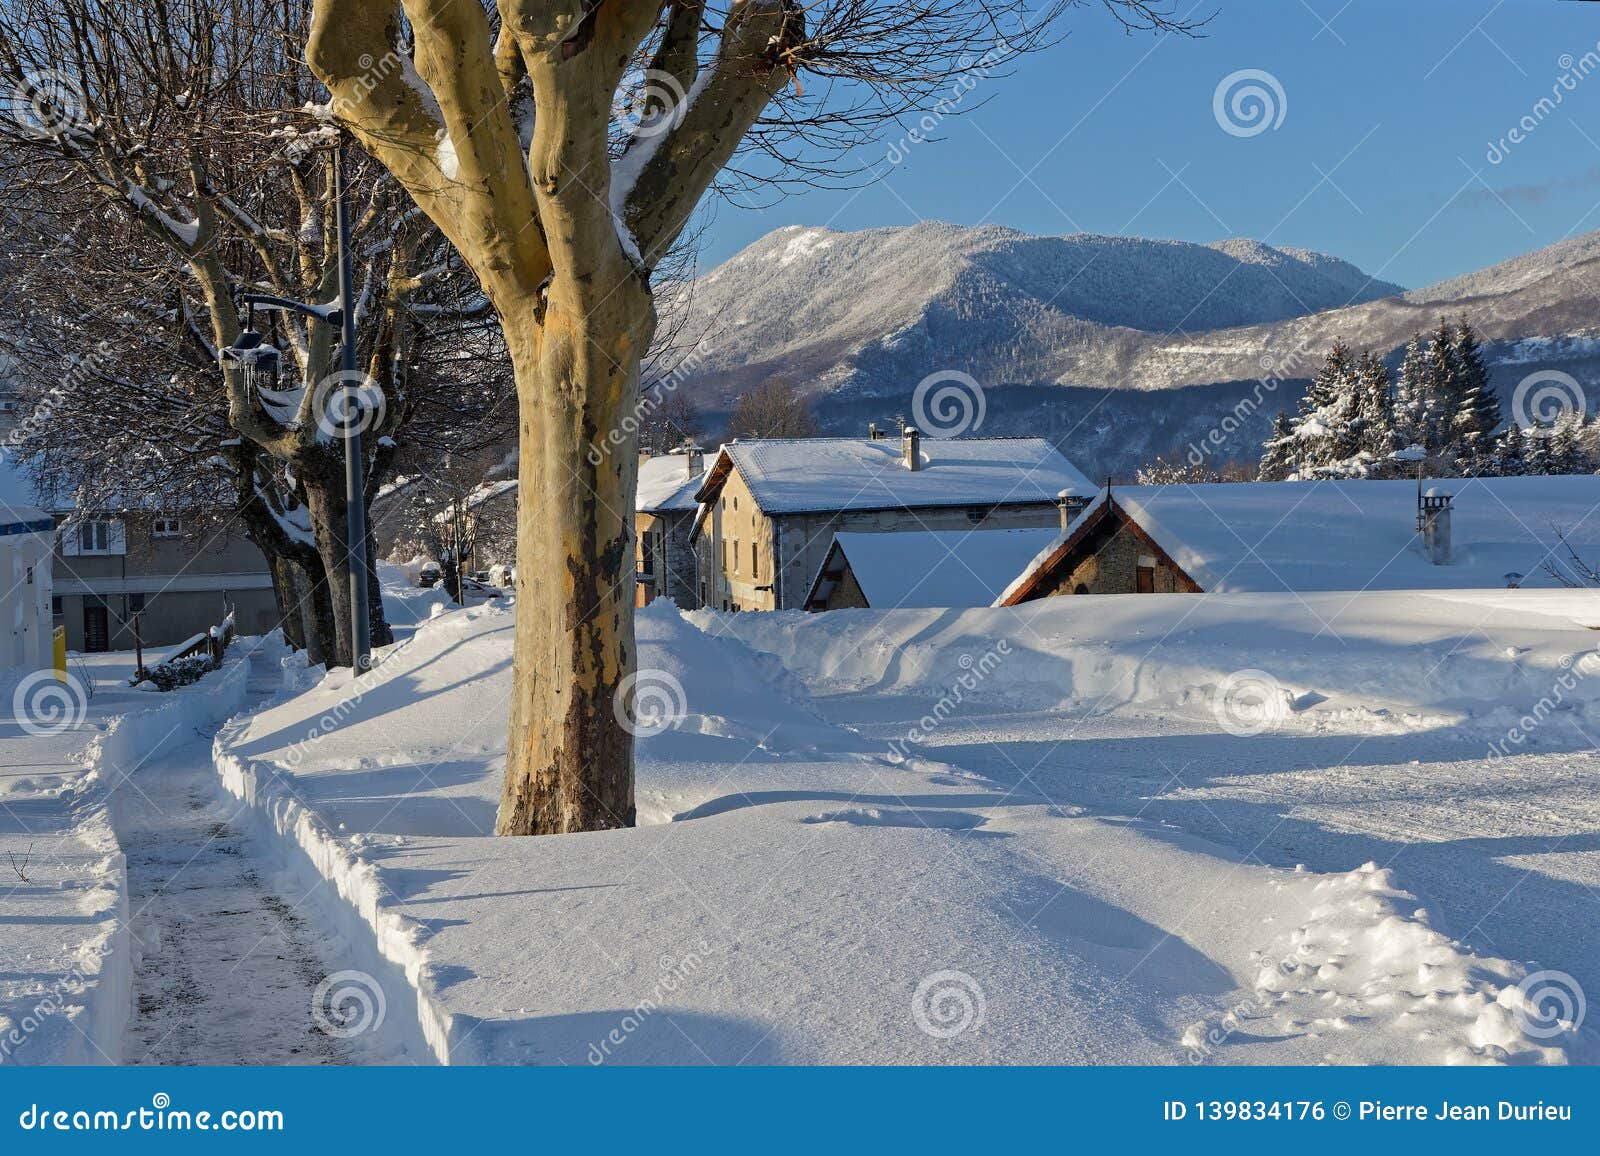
<point>857,319</point>
<point>861,313</point>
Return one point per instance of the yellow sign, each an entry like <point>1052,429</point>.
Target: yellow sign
<point>60,640</point>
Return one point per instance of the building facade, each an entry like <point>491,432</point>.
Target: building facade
<point>769,510</point>
<point>178,581</point>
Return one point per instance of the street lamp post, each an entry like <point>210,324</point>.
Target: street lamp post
<point>258,360</point>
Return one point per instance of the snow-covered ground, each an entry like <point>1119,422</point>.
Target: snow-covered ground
<point>1237,829</point>
<point>65,952</point>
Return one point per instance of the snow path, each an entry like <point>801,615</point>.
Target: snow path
<point>227,958</point>
<point>1503,852</point>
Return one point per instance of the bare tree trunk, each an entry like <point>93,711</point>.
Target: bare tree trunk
<point>323,483</point>
<point>569,766</point>
<point>285,592</point>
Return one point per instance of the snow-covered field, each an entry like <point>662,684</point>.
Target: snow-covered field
<point>1233,829</point>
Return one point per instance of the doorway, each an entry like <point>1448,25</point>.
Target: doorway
<point>96,628</point>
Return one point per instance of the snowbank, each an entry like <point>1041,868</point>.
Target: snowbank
<point>73,996</point>
<point>798,894</point>
<point>1384,660</point>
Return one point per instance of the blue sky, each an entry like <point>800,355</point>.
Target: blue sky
<point>1381,157</point>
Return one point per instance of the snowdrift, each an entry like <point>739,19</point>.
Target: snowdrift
<point>797,893</point>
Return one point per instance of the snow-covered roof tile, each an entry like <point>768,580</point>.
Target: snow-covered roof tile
<point>806,474</point>
<point>668,482</point>
<point>938,567</point>
<point>1360,534</point>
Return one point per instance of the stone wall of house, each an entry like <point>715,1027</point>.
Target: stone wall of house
<point>1112,569</point>
<point>847,595</point>
<point>735,552</point>
<point>672,558</point>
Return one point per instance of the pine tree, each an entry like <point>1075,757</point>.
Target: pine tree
<point>1411,397</point>
<point>1279,457</point>
<point>1477,413</point>
<point>1564,445</point>
<point>1536,451</point>
<point>1324,427</point>
<point>1375,408</point>
<point>1326,386</point>
<point>1510,455</point>
<point>1443,391</point>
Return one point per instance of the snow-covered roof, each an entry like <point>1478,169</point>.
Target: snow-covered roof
<point>1356,534</point>
<point>667,482</point>
<point>936,567</point>
<point>797,475</point>
<point>489,491</point>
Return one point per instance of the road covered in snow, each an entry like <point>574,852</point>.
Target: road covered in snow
<point>1230,829</point>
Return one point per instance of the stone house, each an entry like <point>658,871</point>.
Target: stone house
<point>1461,533</point>
<point>664,514</point>
<point>769,510</point>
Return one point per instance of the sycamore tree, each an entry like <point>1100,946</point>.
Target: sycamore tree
<point>562,146</point>
<point>158,161</point>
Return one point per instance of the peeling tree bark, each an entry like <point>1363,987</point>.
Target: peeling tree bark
<point>568,275</point>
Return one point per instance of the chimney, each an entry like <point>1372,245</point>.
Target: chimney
<point>693,454</point>
<point>872,432</point>
<point>1433,523</point>
<point>911,442</point>
<point>1071,504</point>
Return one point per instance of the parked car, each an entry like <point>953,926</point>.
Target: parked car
<point>428,576</point>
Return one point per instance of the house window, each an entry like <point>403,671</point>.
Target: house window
<point>135,603</point>
<point>755,560</point>
<point>57,607</point>
<point>93,537</point>
<point>976,514</point>
<point>166,527</point>
<point>736,557</point>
